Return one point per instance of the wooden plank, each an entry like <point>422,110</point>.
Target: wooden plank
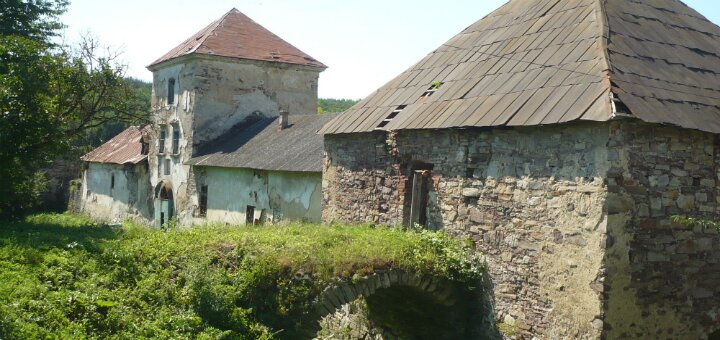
<point>492,113</point>
<point>530,108</point>
<point>551,102</point>
<point>565,103</point>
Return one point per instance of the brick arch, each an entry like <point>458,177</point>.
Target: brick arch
<point>339,294</point>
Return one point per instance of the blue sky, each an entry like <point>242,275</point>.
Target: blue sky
<point>365,43</point>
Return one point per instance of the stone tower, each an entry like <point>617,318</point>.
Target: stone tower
<point>230,72</point>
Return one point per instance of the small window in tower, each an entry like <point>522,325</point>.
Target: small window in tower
<point>171,91</point>
<point>112,181</point>
<point>203,200</point>
<point>167,167</point>
<point>176,139</point>
<point>159,166</point>
<point>161,140</point>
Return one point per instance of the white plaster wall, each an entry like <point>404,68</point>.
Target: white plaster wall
<point>213,94</point>
<point>124,201</point>
<point>283,195</point>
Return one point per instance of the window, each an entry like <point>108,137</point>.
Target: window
<point>203,200</point>
<point>112,181</point>
<point>159,166</point>
<point>176,139</point>
<point>167,167</point>
<point>416,199</point>
<point>171,91</point>
<point>161,141</point>
<point>250,214</point>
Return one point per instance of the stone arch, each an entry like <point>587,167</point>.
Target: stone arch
<point>164,204</point>
<point>407,290</point>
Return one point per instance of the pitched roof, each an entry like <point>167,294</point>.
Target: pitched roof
<point>237,36</point>
<point>264,146</point>
<point>535,62</point>
<point>124,148</point>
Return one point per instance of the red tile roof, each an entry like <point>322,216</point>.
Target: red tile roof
<point>237,36</point>
<point>122,149</point>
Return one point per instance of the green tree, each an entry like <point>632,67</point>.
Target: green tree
<point>32,19</point>
<point>330,105</point>
<point>50,97</point>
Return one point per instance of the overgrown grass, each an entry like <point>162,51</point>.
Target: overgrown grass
<point>62,276</point>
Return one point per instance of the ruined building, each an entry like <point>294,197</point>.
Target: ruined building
<point>219,149</point>
<point>560,136</point>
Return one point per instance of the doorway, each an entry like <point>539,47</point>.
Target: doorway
<point>164,205</point>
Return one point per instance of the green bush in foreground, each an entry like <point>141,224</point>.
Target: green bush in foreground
<point>62,276</point>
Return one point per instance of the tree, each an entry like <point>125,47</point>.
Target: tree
<point>50,96</point>
<point>33,19</point>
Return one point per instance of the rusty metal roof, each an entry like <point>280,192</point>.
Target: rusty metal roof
<point>536,62</point>
<point>237,36</point>
<point>264,146</point>
<point>125,148</point>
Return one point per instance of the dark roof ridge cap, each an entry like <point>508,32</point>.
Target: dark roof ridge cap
<point>602,19</point>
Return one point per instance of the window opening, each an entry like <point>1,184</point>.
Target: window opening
<point>162,218</point>
<point>176,139</point>
<point>391,116</point>
<point>112,181</point>
<point>203,200</point>
<point>167,167</point>
<point>161,141</point>
<point>250,214</point>
<point>171,91</point>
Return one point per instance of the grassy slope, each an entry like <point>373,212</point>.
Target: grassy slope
<point>63,276</point>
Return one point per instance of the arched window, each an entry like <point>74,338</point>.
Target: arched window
<point>171,91</point>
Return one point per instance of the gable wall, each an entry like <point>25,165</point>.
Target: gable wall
<point>532,200</point>
<point>126,200</point>
<point>663,278</point>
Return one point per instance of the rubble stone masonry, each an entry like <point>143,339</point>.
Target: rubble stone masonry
<point>574,218</point>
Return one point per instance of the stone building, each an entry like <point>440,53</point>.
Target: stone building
<point>561,137</point>
<point>116,181</point>
<point>225,79</point>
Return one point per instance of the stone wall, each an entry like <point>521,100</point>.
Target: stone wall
<point>531,199</point>
<point>128,198</point>
<point>275,195</point>
<point>662,277</point>
<point>575,219</point>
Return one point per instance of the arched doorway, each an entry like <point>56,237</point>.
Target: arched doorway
<point>164,206</point>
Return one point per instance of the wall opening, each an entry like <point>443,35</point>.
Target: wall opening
<point>417,192</point>
<point>167,167</point>
<point>112,181</point>
<point>203,200</point>
<point>165,205</point>
<point>249,214</point>
<point>171,91</point>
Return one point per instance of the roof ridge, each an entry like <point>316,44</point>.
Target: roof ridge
<point>604,37</point>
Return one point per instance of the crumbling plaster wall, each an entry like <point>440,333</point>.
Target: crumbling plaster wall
<point>280,195</point>
<point>663,278</point>
<point>125,200</point>
<point>531,199</point>
<point>213,94</point>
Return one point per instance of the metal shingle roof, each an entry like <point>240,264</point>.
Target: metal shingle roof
<point>124,148</point>
<point>536,62</point>
<point>264,146</point>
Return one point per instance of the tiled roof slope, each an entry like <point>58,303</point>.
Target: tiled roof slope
<point>536,62</point>
<point>237,36</point>
<point>264,146</point>
<point>124,148</point>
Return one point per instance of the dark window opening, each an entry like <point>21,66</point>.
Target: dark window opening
<point>144,148</point>
<point>203,200</point>
<point>171,91</point>
<point>176,139</point>
<point>159,167</point>
<point>112,181</point>
<point>416,196</point>
<point>162,218</point>
<point>167,167</point>
<point>250,214</point>
<point>161,141</point>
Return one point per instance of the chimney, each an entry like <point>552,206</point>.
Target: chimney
<point>284,119</point>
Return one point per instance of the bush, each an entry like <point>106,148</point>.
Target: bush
<point>64,276</point>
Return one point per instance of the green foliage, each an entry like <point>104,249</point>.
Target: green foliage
<point>329,105</point>
<point>691,222</point>
<point>50,97</point>
<point>34,19</point>
<point>62,276</point>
